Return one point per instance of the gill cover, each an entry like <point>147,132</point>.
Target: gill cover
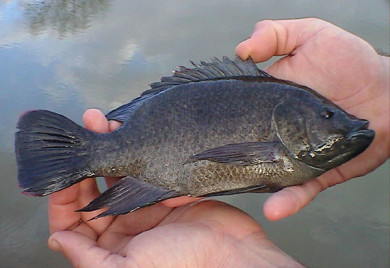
<point>291,129</point>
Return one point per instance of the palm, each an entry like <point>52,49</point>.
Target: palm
<point>199,230</point>
<point>206,234</point>
<point>341,67</point>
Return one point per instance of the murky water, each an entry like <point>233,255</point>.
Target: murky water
<point>67,56</point>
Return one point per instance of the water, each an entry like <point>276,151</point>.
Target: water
<point>67,56</point>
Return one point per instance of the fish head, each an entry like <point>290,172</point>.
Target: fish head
<point>321,134</point>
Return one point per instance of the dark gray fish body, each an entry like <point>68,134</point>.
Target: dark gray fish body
<point>220,128</point>
<point>165,132</point>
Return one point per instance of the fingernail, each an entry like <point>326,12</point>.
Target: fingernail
<point>54,244</point>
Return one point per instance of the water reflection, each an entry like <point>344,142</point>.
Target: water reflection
<point>63,16</point>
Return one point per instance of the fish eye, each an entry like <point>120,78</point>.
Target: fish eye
<point>327,113</point>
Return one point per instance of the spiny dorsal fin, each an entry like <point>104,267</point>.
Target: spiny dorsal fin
<point>213,70</point>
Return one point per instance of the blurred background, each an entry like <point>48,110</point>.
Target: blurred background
<point>67,56</point>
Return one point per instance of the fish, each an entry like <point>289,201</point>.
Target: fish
<point>220,127</point>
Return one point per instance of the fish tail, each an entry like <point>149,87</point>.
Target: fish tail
<point>52,152</point>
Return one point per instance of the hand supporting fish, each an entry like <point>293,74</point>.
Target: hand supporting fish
<point>222,127</point>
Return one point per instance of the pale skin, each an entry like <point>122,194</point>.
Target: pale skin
<point>175,233</point>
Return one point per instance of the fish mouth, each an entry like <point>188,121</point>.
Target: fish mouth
<point>361,132</point>
<point>354,142</point>
<point>358,139</point>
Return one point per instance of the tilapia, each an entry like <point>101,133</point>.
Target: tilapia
<point>220,127</point>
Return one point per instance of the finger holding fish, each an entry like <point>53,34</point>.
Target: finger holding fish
<point>342,67</point>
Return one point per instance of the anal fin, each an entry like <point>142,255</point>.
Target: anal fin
<point>127,195</point>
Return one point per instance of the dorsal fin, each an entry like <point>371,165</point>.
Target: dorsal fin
<point>214,70</point>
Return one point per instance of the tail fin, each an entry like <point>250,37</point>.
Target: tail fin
<point>51,152</point>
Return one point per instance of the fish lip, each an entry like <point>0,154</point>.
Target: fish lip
<point>368,134</point>
<point>364,125</point>
<point>361,124</point>
<point>361,131</point>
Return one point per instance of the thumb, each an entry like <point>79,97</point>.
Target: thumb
<point>278,37</point>
<point>83,251</point>
<point>290,200</point>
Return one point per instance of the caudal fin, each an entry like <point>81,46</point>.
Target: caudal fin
<point>51,152</point>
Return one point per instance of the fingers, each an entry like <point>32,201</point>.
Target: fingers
<point>114,125</point>
<point>62,206</point>
<point>290,200</point>
<point>179,201</point>
<point>95,121</point>
<point>266,41</point>
<point>279,37</point>
<point>88,192</point>
<point>82,250</point>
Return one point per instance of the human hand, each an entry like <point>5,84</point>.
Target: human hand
<point>204,234</point>
<point>343,68</point>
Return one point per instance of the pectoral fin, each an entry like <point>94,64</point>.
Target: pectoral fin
<point>247,153</point>
<point>127,195</point>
